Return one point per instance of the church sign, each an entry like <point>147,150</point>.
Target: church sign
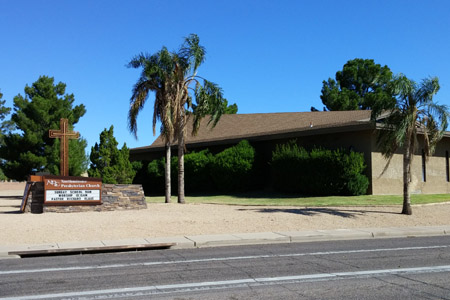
<point>64,190</point>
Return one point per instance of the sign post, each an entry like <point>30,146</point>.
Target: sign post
<point>64,134</point>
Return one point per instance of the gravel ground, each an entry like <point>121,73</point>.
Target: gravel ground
<point>162,220</point>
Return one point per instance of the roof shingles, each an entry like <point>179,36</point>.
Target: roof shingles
<point>262,124</point>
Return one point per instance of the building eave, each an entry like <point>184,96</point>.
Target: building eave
<point>282,134</point>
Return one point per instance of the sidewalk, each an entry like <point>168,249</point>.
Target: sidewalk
<point>201,241</point>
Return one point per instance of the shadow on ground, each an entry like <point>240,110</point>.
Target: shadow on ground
<point>344,213</point>
<point>11,212</point>
<point>10,204</point>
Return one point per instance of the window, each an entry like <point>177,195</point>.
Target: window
<point>424,167</point>
<point>447,170</point>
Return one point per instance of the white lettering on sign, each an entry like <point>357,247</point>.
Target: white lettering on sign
<point>72,184</point>
<point>72,195</point>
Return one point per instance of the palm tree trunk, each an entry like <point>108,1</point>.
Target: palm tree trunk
<point>181,167</point>
<point>167,172</point>
<point>181,163</point>
<point>407,160</point>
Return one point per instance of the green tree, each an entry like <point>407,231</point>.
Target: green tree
<point>361,84</point>
<point>414,114</point>
<point>157,76</point>
<point>5,126</point>
<point>110,163</point>
<point>172,75</point>
<point>230,109</point>
<point>29,149</point>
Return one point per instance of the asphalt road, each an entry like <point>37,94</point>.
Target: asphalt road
<point>408,268</point>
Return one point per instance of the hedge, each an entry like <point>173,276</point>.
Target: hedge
<point>228,171</point>
<point>197,177</point>
<point>293,169</point>
<point>232,168</point>
<point>318,172</point>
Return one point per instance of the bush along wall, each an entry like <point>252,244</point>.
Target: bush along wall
<point>318,172</point>
<point>151,176</point>
<point>228,171</point>
<point>197,172</point>
<point>232,168</point>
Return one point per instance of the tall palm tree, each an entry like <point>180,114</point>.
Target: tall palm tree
<point>156,76</point>
<point>414,114</point>
<point>173,77</point>
<point>208,97</point>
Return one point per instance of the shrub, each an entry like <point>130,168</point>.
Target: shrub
<point>356,183</point>
<point>318,172</point>
<point>227,171</point>
<point>141,168</point>
<point>232,168</point>
<point>287,160</point>
<point>154,182</point>
<point>197,173</point>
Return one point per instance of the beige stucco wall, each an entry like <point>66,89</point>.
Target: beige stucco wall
<point>388,180</point>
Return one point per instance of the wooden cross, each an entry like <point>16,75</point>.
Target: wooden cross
<point>64,134</point>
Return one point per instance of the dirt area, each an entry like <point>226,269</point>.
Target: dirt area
<point>160,220</point>
<point>11,188</point>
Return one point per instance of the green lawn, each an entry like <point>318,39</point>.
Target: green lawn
<point>260,198</point>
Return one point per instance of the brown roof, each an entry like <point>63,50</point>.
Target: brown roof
<point>248,126</point>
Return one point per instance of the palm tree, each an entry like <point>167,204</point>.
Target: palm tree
<point>157,77</point>
<point>414,114</point>
<point>173,77</point>
<point>208,97</point>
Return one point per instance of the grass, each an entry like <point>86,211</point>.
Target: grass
<point>276,199</point>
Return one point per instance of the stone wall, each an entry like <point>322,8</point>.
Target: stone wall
<point>123,196</point>
<point>114,197</point>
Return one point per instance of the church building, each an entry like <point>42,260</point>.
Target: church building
<point>331,130</point>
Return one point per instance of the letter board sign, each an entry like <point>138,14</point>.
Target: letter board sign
<point>62,190</point>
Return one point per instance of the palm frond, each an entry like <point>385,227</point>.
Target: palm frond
<point>138,61</point>
<point>428,88</point>
<point>432,135</point>
<point>137,102</point>
<point>402,86</point>
<point>440,113</point>
<point>210,101</point>
<point>415,114</point>
<point>192,52</point>
<point>157,72</point>
<point>171,75</point>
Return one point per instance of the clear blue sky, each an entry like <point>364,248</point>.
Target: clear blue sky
<point>268,56</point>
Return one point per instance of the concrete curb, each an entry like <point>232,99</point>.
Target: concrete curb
<point>201,241</point>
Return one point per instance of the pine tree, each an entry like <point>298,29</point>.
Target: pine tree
<point>29,149</point>
<point>362,84</point>
<point>110,163</point>
<point>4,127</point>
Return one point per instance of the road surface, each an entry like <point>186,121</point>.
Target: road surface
<point>408,268</point>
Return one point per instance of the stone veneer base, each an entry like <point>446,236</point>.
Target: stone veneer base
<point>114,197</point>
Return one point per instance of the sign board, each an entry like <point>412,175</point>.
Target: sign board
<point>65,190</point>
